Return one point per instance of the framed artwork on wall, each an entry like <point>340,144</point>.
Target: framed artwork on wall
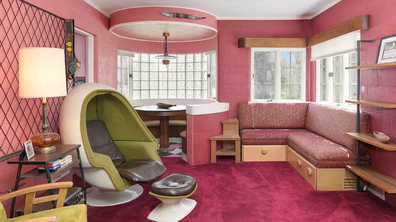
<point>387,50</point>
<point>29,149</point>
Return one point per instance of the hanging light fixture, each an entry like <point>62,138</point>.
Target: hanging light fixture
<point>165,58</point>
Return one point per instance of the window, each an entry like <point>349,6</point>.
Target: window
<point>335,84</point>
<point>278,74</point>
<point>190,76</point>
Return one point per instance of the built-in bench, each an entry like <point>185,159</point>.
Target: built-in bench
<point>311,137</point>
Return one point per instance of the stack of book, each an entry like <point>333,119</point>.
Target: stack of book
<point>57,164</point>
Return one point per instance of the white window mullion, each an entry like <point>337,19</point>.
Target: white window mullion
<point>345,82</point>
<point>278,77</point>
<point>330,82</point>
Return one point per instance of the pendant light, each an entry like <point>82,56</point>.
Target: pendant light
<point>165,58</point>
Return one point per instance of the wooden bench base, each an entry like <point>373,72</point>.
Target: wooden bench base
<point>318,178</point>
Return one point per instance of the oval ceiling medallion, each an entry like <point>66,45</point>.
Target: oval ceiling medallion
<point>148,24</point>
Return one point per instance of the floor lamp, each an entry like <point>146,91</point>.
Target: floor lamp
<point>41,75</point>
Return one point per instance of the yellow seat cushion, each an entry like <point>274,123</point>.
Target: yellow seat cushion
<point>74,213</point>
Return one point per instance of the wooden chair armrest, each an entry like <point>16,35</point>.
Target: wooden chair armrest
<point>47,186</point>
<point>41,219</point>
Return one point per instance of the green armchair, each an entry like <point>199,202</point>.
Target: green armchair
<point>74,213</point>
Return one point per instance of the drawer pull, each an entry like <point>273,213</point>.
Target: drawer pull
<point>264,151</point>
<point>309,170</point>
<point>299,163</point>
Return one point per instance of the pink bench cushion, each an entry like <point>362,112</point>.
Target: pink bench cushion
<point>266,136</point>
<point>334,122</point>
<point>272,115</point>
<point>320,151</point>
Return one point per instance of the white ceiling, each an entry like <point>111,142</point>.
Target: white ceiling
<point>229,9</point>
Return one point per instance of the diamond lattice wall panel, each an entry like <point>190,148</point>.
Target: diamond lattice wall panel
<point>24,25</point>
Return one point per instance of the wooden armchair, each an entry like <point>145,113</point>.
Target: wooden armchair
<point>70,213</point>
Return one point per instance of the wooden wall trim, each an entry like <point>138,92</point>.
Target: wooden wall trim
<point>272,42</point>
<point>361,22</point>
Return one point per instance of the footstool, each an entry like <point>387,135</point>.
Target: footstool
<point>173,191</point>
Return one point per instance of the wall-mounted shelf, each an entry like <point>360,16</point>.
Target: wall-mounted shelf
<point>376,177</point>
<point>370,139</point>
<point>375,66</point>
<point>373,103</point>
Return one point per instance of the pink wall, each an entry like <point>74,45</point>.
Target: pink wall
<point>234,63</point>
<point>379,84</point>
<point>199,130</point>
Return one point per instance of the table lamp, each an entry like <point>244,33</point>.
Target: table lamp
<point>41,75</point>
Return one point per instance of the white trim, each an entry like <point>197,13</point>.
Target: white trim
<point>152,6</point>
<point>331,4</point>
<point>90,53</point>
<point>166,23</point>
<point>202,109</point>
<point>277,75</point>
<point>95,6</point>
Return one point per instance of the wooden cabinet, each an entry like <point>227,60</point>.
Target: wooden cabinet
<point>263,153</point>
<point>230,139</point>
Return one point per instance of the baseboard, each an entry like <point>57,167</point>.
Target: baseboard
<point>172,140</point>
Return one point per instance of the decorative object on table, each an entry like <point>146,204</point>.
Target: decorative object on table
<point>72,63</point>
<point>382,137</point>
<point>164,105</point>
<point>41,75</point>
<point>387,49</point>
<point>181,15</point>
<point>29,149</point>
<point>165,58</point>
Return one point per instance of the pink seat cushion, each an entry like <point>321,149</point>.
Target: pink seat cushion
<point>320,151</point>
<point>334,122</point>
<point>272,115</point>
<point>266,136</point>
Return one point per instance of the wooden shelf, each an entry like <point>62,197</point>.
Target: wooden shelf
<point>370,139</point>
<point>226,137</point>
<point>375,66</point>
<point>36,174</point>
<point>376,177</point>
<point>225,152</point>
<point>373,103</point>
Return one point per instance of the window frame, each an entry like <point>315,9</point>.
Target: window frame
<point>346,81</point>
<point>278,68</point>
<point>211,82</point>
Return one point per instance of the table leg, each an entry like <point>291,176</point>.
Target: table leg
<point>213,151</point>
<point>164,133</point>
<point>237,151</point>
<point>82,176</point>
<point>18,178</point>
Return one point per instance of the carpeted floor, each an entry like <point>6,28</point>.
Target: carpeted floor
<point>261,191</point>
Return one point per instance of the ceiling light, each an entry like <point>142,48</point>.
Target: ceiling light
<point>165,58</point>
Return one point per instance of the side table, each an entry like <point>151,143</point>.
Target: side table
<point>45,159</point>
<point>231,141</point>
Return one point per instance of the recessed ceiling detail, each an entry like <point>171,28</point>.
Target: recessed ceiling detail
<point>148,24</point>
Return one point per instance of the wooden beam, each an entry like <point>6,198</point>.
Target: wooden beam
<point>272,42</point>
<point>361,22</point>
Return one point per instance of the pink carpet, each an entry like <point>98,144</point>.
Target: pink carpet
<point>264,191</point>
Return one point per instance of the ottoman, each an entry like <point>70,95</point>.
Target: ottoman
<point>173,191</point>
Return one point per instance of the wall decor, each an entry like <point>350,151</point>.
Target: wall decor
<point>387,49</point>
<point>72,63</point>
<point>181,15</point>
<point>24,25</point>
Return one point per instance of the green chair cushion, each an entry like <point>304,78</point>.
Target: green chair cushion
<point>74,213</point>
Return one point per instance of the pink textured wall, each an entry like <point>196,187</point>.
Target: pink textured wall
<point>234,63</point>
<point>203,127</point>
<point>379,84</point>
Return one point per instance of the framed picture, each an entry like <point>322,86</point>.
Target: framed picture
<point>29,149</point>
<point>387,49</point>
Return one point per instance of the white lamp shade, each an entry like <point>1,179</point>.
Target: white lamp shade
<point>42,72</point>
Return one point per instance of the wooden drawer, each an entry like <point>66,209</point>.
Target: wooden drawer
<point>263,153</point>
<point>302,166</point>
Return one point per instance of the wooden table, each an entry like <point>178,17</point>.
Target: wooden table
<point>164,115</point>
<point>45,159</point>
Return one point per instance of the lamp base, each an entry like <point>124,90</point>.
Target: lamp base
<point>44,150</point>
<point>44,142</point>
